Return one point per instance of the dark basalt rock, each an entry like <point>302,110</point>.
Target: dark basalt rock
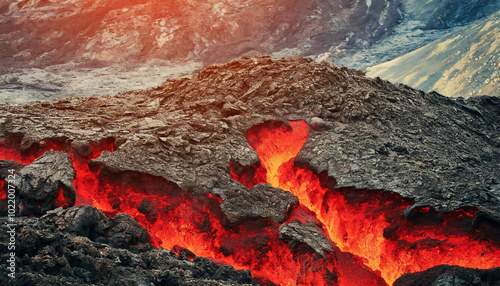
<point>65,247</point>
<point>120,231</point>
<point>445,275</point>
<point>41,181</point>
<point>297,232</point>
<point>81,220</point>
<point>366,133</point>
<point>6,165</point>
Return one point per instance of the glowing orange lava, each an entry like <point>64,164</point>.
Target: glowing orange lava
<point>3,195</point>
<point>367,223</point>
<point>177,219</point>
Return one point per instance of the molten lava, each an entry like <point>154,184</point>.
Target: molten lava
<point>368,223</point>
<point>176,219</point>
<point>367,226</point>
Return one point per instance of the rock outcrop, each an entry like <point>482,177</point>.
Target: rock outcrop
<point>80,246</point>
<point>435,152</point>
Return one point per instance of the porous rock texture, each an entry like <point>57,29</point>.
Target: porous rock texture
<point>261,201</point>
<point>366,133</point>
<point>80,246</point>
<point>41,181</point>
<point>297,232</point>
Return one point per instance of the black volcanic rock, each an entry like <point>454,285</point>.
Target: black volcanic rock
<point>64,247</point>
<point>41,181</point>
<point>296,232</point>
<point>366,134</point>
<point>120,231</point>
<point>445,275</point>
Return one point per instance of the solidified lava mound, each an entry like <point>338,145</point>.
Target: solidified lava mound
<point>301,172</point>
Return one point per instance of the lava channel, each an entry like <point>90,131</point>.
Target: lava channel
<point>367,223</point>
<point>194,225</point>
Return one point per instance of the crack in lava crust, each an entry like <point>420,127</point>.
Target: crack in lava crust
<point>368,223</point>
<point>184,222</point>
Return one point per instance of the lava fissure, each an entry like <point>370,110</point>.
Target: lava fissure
<point>369,224</point>
<point>366,227</point>
<point>177,219</point>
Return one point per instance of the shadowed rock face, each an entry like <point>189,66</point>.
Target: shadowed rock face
<point>448,13</point>
<point>41,182</point>
<point>365,133</point>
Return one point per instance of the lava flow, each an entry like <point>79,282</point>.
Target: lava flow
<point>368,223</point>
<point>194,224</point>
<point>364,224</point>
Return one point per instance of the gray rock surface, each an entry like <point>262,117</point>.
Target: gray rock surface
<point>41,181</point>
<point>262,201</point>
<point>297,232</point>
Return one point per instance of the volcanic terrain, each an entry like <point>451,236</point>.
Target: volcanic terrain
<point>302,173</point>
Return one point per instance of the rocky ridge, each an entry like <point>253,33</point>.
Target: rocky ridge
<point>373,134</point>
<point>463,63</point>
<point>366,134</point>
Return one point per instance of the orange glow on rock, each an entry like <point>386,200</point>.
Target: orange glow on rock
<point>177,219</point>
<point>373,238</point>
<point>367,223</point>
<point>3,191</point>
<point>11,146</point>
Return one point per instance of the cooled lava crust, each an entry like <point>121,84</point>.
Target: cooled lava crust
<point>301,172</point>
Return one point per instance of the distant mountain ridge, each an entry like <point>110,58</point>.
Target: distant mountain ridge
<point>38,33</point>
<point>65,48</point>
<point>464,63</point>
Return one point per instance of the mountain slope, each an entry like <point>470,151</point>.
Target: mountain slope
<point>464,63</point>
<point>422,22</point>
<point>39,33</point>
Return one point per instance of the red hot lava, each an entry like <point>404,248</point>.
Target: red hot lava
<point>177,219</point>
<point>368,223</point>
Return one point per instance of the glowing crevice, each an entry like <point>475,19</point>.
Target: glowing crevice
<point>366,223</point>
